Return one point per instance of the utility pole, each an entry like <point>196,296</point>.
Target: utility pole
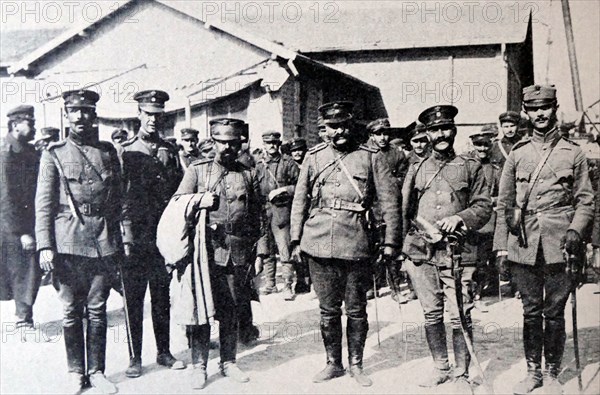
<point>572,56</point>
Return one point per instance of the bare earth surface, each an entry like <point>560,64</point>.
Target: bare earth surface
<point>289,351</point>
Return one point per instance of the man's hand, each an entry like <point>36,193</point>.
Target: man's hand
<point>297,254</point>
<point>127,247</point>
<point>572,242</point>
<point>28,243</point>
<point>450,224</point>
<point>276,192</point>
<point>47,260</point>
<point>258,265</point>
<point>208,200</point>
<point>596,260</point>
<point>502,265</point>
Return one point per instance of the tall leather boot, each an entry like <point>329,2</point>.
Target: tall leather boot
<point>96,356</point>
<point>436,339</point>
<point>287,273</point>
<point>554,347</point>
<point>462,360</point>
<point>199,342</point>
<point>74,343</point>
<point>331,331</point>
<point>269,272</point>
<point>532,343</point>
<point>356,333</point>
<point>161,322</point>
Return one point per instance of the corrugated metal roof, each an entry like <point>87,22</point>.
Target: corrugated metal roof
<point>400,27</point>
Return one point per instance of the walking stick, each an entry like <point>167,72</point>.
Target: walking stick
<point>573,272</point>
<point>126,311</point>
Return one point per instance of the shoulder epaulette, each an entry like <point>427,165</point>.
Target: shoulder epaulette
<point>129,142</point>
<point>570,141</point>
<point>201,161</point>
<point>520,144</point>
<point>317,148</point>
<point>368,149</point>
<point>56,144</point>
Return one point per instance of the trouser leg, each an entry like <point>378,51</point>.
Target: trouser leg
<point>199,342</point>
<point>159,283</point>
<point>557,287</point>
<point>99,290</point>
<point>135,279</point>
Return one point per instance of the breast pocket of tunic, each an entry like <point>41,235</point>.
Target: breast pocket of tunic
<point>522,182</point>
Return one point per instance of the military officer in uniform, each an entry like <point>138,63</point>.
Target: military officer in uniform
<point>278,175</point>
<point>337,185</point>
<point>448,192</point>
<point>47,135</point>
<point>189,143</point>
<point>298,150</point>
<point>559,206</point>
<point>19,272</point>
<point>151,175</point>
<point>230,191</point>
<point>486,275</point>
<point>78,218</point>
<point>509,123</point>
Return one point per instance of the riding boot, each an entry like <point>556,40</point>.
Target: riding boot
<point>436,339</point>
<point>356,333</point>
<point>554,346</point>
<point>331,331</point>
<point>462,359</point>
<point>96,347</point>
<point>74,342</point>
<point>532,343</point>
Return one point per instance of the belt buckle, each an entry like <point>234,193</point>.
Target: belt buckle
<point>337,204</point>
<point>87,209</point>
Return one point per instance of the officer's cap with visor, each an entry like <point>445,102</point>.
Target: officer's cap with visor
<point>151,101</point>
<point>226,129</point>
<point>21,113</point>
<point>535,96</point>
<point>82,98</point>
<point>438,116</point>
<point>336,112</point>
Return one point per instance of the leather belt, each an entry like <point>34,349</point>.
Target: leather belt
<point>536,211</point>
<point>87,209</point>
<point>339,204</point>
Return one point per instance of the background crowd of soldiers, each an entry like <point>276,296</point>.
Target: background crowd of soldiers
<point>369,205</point>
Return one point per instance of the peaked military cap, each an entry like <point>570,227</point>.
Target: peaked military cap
<point>119,133</point>
<point>206,145</point>
<point>417,131</point>
<point>21,112</point>
<point>48,133</point>
<point>539,95</point>
<point>435,116</point>
<point>187,133</point>
<point>489,129</point>
<point>152,101</point>
<point>270,136</point>
<point>226,129</point>
<point>298,144</point>
<point>336,112</point>
<point>81,98</point>
<point>510,116</point>
<point>378,124</point>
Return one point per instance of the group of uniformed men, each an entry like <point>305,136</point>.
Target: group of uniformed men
<point>326,212</point>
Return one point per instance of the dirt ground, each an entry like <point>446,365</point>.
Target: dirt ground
<point>290,351</point>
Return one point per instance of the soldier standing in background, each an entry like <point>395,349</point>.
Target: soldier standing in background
<point>380,133</point>
<point>278,174</point>
<point>486,275</point>
<point>548,175</point>
<point>509,123</point>
<point>19,272</point>
<point>298,150</point>
<point>189,152</point>
<point>337,185</point>
<point>78,213</point>
<point>449,192</point>
<point>151,174</point>
<point>235,225</point>
<point>419,143</point>
<point>47,136</point>
<point>119,136</point>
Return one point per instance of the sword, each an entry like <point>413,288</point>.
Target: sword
<point>574,274</point>
<point>453,245</point>
<point>376,311</point>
